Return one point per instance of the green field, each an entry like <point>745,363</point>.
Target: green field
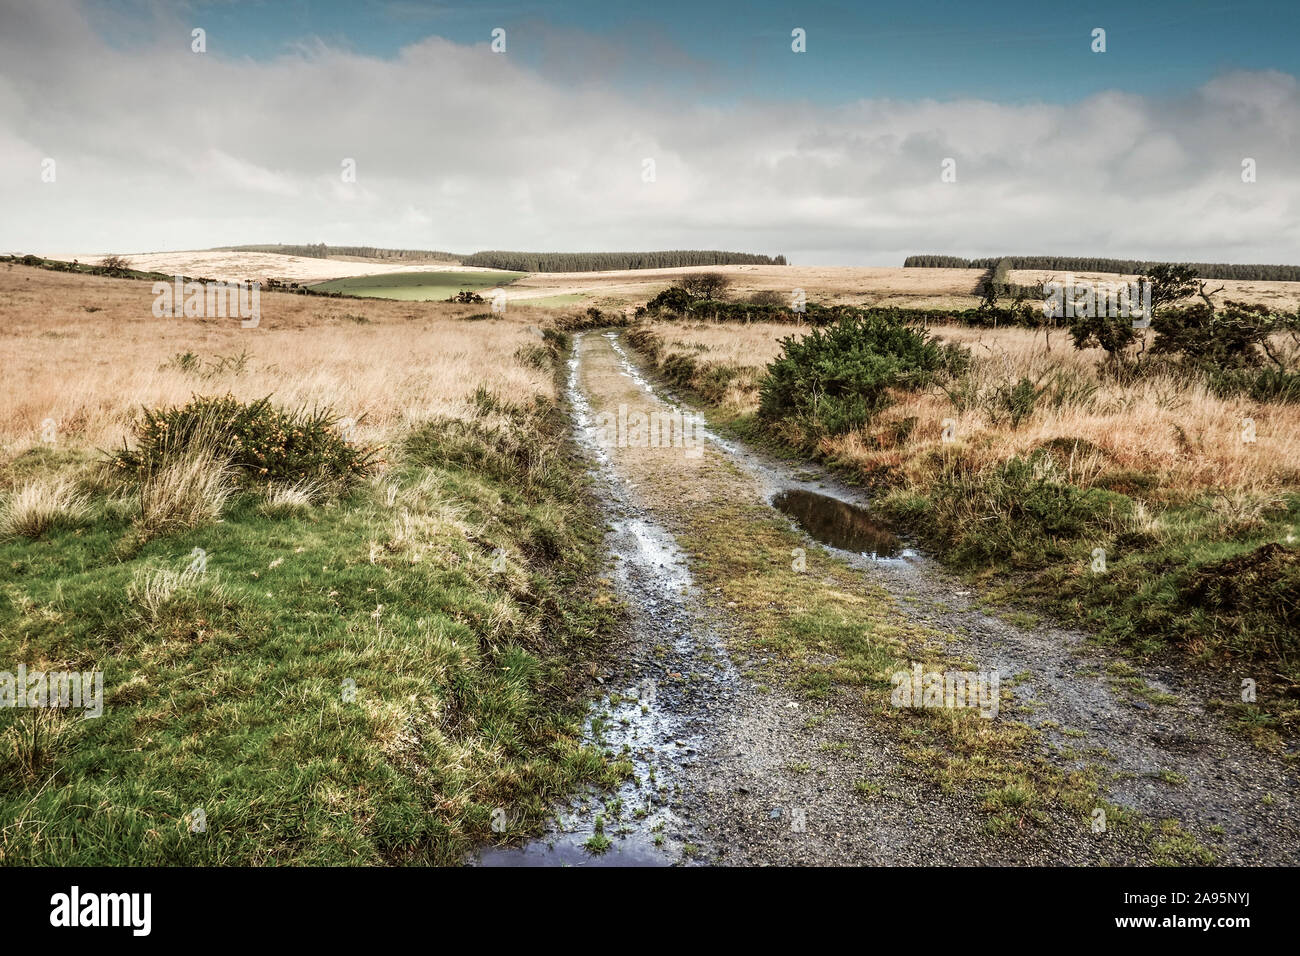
<point>418,286</point>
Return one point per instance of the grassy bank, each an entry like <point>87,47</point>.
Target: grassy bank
<point>351,672</point>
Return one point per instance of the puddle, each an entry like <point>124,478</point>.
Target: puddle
<point>654,720</point>
<point>636,821</point>
<point>838,523</point>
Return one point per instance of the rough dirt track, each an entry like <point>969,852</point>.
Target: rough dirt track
<point>750,770</point>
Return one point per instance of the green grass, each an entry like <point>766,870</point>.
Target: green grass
<point>233,695</point>
<point>824,630</point>
<point>418,286</point>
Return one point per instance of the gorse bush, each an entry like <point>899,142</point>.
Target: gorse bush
<point>1236,336</point>
<point>836,379</point>
<point>259,442</point>
<point>1012,404</point>
<point>1023,511</point>
<point>1260,385</point>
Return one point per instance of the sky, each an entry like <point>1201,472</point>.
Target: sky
<point>946,127</point>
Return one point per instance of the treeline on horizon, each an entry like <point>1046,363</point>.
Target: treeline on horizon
<point>1205,270</point>
<point>605,261</point>
<point>320,250</point>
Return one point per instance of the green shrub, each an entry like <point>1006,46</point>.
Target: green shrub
<point>1111,333</point>
<point>1233,337</point>
<point>1262,385</point>
<point>261,442</point>
<point>1012,404</point>
<point>836,379</point>
<point>1020,511</point>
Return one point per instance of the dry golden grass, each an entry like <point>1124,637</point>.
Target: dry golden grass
<point>87,353</point>
<point>829,285</point>
<point>282,499</point>
<point>1284,296</point>
<point>184,493</point>
<point>832,285</point>
<point>40,505</point>
<point>239,266</point>
<point>1178,431</point>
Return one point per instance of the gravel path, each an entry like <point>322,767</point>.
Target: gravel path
<point>731,771</point>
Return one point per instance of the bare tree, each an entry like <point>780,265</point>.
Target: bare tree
<point>706,285</point>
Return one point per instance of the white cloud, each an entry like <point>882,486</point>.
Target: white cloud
<point>460,148</point>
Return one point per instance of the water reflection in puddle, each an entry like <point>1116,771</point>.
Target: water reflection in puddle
<point>838,523</point>
<point>634,819</point>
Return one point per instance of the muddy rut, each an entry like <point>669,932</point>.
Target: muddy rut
<point>733,765</point>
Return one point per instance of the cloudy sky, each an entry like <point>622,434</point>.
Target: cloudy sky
<point>831,156</point>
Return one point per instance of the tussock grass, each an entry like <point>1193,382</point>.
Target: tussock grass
<point>151,592</point>
<point>42,505</point>
<point>185,492</point>
<point>31,742</point>
<point>291,499</point>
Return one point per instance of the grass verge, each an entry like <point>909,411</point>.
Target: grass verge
<point>357,680</point>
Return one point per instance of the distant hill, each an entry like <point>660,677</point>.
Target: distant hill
<point>321,251</point>
<point>606,261</point>
<point>528,261</point>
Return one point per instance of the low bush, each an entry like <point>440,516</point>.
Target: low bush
<point>837,379</point>
<point>1261,385</point>
<point>1233,337</point>
<point>260,443</point>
